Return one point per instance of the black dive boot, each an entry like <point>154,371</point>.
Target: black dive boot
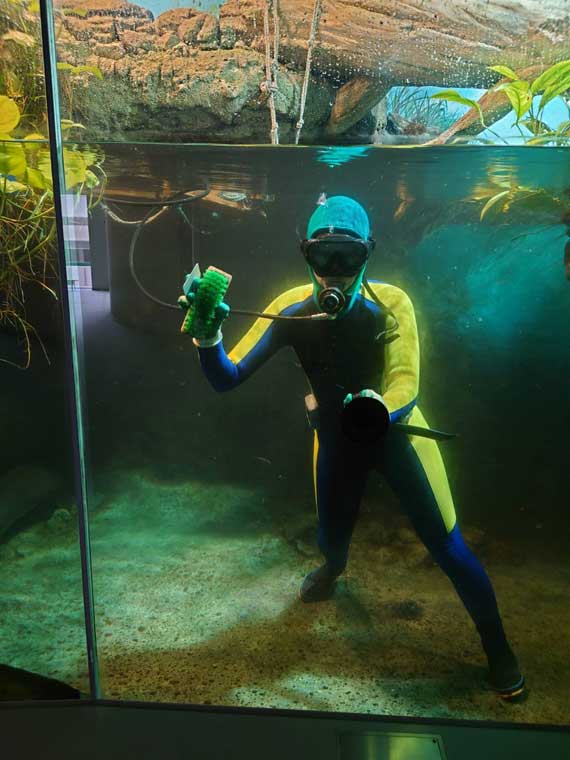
<point>318,585</point>
<point>504,673</point>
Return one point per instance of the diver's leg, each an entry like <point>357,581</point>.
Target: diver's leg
<point>414,474</point>
<point>339,471</point>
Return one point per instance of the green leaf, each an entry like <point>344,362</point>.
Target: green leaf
<point>91,179</point>
<point>36,179</point>
<point>89,156</point>
<point>75,168</point>
<point>75,12</point>
<point>68,124</point>
<point>493,201</point>
<point>12,82</point>
<point>454,97</point>
<point>563,128</point>
<point>95,70</point>
<point>80,69</point>
<point>34,6</point>
<point>542,139</point>
<point>504,71</point>
<point>550,77</point>
<point>11,186</point>
<point>20,38</point>
<point>9,114</point>
<point>35,136</point>
<point>519,96</point>
<point>555,90</point>
<point>12,159</point>
<point>536,126</point>
<point>43,164</point>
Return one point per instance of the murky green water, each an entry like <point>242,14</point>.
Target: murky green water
<point>202,507</point>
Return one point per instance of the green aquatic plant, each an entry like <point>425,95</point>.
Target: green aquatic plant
<point>21,64</point>
<point>28,255</point>
<point>502,197</point>
<point>503,193</point>
<point>521,95</point>
<point>416,106</point>
<point>21,69</point>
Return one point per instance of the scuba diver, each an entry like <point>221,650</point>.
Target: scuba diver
<point>358,345</point>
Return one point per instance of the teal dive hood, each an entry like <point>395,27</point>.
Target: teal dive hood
<point>339,214</point>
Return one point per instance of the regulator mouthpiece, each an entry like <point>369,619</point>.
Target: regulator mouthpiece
<point>332,300</point>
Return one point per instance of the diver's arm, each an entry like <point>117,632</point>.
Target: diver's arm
<point>261,341</point>
<point>221,373</point>
<point>401,357</point>
<point>225,372</point>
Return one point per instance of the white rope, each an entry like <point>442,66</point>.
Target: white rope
<point>276,35</point>
<point>310,45</point>
<point>269,86</point>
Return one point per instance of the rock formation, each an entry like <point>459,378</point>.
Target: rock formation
<point>191,75</point>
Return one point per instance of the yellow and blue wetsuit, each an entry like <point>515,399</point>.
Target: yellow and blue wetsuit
<point>342,356</point>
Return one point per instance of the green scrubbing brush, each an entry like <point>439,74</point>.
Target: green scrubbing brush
<point>203,298</point>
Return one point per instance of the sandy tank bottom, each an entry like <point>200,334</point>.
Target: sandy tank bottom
<point>196,606</point>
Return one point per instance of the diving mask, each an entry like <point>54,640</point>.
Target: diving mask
<point>337,254</point>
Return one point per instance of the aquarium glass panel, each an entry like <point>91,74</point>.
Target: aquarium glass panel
<point>353,499</point>
<point>42,633</point>
<point>202,508</point>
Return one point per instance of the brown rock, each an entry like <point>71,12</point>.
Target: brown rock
<point>360,49</point>
<point>188,30</point>
<point>421,42</point>
<point>104,24</point>
<point>353,101</point>
<point>228,36</point>
<point>104,37</point>
<point>167,40</point>
<point>114,51</point>
<point>122,24</point>
<point>145,25</point>
<point>237,19</point>
<point>182,50</point>
<point>208,36</point>
<point>133,42</point>
<point>107,66</point>
<point>169,21</point>
<point>105,8</point>
<point>78,28</point>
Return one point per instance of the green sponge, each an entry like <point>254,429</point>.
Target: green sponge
<point>206,310</point>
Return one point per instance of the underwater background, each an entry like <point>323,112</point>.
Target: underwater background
<point>201,505</point>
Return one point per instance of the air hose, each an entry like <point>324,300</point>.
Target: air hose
<point>390,333</point>
<point>156,210</point>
